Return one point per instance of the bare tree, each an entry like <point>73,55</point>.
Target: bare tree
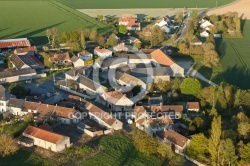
<point>7,145</point>
<point>48,34</point>
<point>54,34</point>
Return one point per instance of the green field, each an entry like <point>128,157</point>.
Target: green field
<point>119,150</point>
<point>23,157</point>
<point>31,18</point>
<point>235,59</point>
<point>115,4</point>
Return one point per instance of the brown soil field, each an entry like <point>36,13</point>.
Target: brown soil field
<point>240,6</point>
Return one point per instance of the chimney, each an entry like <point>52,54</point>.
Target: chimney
<point>80,99</point>
<point>47,105</point>
<point>56,104</point>
<point>161,104</point>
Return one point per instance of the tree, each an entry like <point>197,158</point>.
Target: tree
<point>101,40</point>
<point>178,17</point>
<point>123,29</point>
<point>227,153</point>
<point>144,143</point>
<point>245,155</point>
<point>214,140</point>
<point>112,40</point>
<point>7,145</point>
<point>198,147</point>
<point>93,35</point>
<point>162,86</point>
<point>137,45</point>
<point>75,46</point>
<point>18,90</point>
<point>190,86</point>
<point>211,57</point>
<point>165,150</point>
<point>83,43</point>
<point>99,17</point>
<point>48,34</point>
<point>54,34</point>
<point>243,129</point>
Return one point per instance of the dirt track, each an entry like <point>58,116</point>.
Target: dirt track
<point>242,7</point>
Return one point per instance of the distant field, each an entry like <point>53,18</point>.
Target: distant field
<point>141,13</point>
<point>31,19</point>
<point>119,4</point>
<point>235,59</point>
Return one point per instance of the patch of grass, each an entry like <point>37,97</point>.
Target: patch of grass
<point>15,128</point>
<point>23,157</point>
<point>31,19</point>
<point>119,150</point>
<point>112,4</point>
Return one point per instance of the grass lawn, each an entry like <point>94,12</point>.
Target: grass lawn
<point>16,128</point>
<point>235,59</point>
<point>112,4</point>
<point>23,157</point>
<point>31,18</point>
<point>119,150</point>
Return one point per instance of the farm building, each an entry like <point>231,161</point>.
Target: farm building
<point>17,75</point>
<point>45,139</point>
<point>85,55</point>
<point>26,51</point>
<point>26,61</point>
<point>10,44</point>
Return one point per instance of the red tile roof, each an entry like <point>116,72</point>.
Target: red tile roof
<point>162,58</point>
<point>175,138</point>
<point>193,105</point>
<point>45,126</point>
<point>63,111</point>
<point>24,50</point>
<point>43,134</point>
<point>102,50</point>
<point>60,57</point>
<point>14,43</point>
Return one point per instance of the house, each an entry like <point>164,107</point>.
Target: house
<point>72,74</point>
<point>193,106</point>
<point>164,60</point>
<point>151,75</point>
<point>10,44</point>
<point>61,58</point>
<point>133,40</point>
<point>164,23</point>
<point>77,62</point>
<point>65,115</point>
<point>177,141</point>
<point>4,98</point>
<point>26,61</point>
<point>121,47</point>
<point>17,62</point>
<point>116,101</point>
<point>204,33</point>
<point>130,21</point>
<point>17,75</point>
<point>77,102</point>
<point>155,100</point>
<point>91,87</point>
<point>206,25</point>
<point>102,52</point>
<point>90,127</point>
<point>46,139</point>
<point>113,63</point>
<point>26,51</point>
<point>128,81</point>
<point>85,55</point>
<point>195,41</point>
<point>15,106</point>
<point>103,118</point>
<point>145,121</point>
<point>44,112</point>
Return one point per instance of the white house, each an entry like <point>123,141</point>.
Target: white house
<point>4,98</point>
<point>45,139</point>
<point>85,55</point>
<point>103,118</point>
<point>163,60</point>
<point>206,24</point>
<point>102,52</point>
<point>204,34</point>
<point>15,106</point>
<point>77,62</point>
<point>130,21</point>
<point>164,24</point>
<point>195,41</point>
<point>115,100</point>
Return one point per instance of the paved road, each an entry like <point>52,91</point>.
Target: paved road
<point>196,74</point>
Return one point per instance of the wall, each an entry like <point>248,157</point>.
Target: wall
<point>93,134</point>
<point>117,125</point>
<point>74,92</point>
<point>16,111</point>
<point>18,78</point>
<point>3,106</point>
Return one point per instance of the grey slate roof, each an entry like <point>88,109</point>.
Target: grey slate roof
<point>17,103</point>
<point>5,95</point>
<point>88,82</point>
<point>11,73</point>
<point>144,72</point>
<point>74,58</point>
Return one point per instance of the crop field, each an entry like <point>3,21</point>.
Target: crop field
<point>31,19</point>
<point>119,4</point>
<point>235,59</point>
